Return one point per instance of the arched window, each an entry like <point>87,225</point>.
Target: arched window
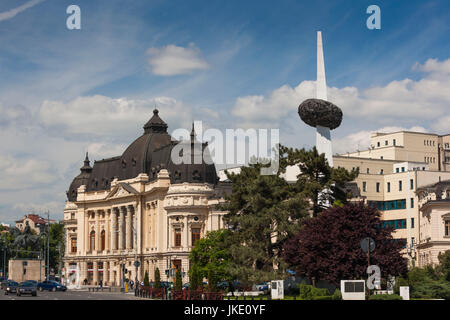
<point>92,240</point>
<point>102,240</point>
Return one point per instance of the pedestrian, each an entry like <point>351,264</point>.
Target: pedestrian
<point>131,284</point>
<point>85,281</point>
<point>100,283</point>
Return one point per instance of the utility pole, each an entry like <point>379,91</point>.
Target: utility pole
<point>59,266</point>
<point>48,245</point>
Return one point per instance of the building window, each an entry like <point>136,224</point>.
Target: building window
<point>412,202</point>
<point>368,170</point>
<point>411,184</point>
<point>381,171</point>
<point>381,159</point>
<point>102,240</point>
<point>364,186</point>
<point>378,187</point>
<point>388,187</point>
<point>400,185</point>
<point>394,142</point>
<point>378,144</point>
<point>73,245</point>
<point>412,223</point>
<point>195,235</point>
<point>403,169</point>
<point>72,215</point>
<point>386,143</point>
<point>447,228</point>
<point>177,237</point>
<point>92,240</point>
<point>397,170</point>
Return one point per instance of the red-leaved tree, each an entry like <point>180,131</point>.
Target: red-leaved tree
<point>328,247</point>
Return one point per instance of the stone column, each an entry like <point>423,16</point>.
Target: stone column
<point>186,233</point>
<point>105,272</point>
<point>83,271</point>
<point>107,230</point>
<point>128,232</point>
<point>97,230</point>
<point>95,272</point>
<point>86,232</point>
<point>114,228</point>
<point>121,228</point>
<point>111,274</point>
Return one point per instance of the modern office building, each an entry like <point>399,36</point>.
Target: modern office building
<point>392,171</point>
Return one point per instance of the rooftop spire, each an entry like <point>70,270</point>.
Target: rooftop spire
<point>155,124</point>
<point>86,167</point>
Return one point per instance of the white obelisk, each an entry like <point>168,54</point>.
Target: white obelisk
<point>323,134</point>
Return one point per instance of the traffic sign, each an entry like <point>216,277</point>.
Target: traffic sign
<point>367,244</point>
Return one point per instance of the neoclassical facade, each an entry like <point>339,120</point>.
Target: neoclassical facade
<point>139,207</point>
<point>434,223</point>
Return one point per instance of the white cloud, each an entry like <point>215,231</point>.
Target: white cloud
<point>401,102</point>
<point>13,12</point>
<point>112,118</point>
<point>20,174</point>
<point>173,60</point>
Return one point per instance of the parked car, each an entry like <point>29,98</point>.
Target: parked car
<point>51,285</point>
<point>10,287</point>
<point>26,288</point>
<point>262,286</point>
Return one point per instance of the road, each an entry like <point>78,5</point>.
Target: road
<point>72,295</point>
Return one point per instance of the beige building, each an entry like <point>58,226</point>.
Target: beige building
<point>22,270</point>
<point>409,146</point>
<point>36,223</point>
<point>142,207</point>
<point>434,222</point>
<point>395,167</point>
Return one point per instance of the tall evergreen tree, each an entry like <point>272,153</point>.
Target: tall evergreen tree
<point>263,211</point>
<point>178,280</point>
<point>146,279</point>
<point>157,278</point>
<point>318,181</point>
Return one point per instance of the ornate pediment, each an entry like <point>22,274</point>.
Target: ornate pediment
<point>121,190</point>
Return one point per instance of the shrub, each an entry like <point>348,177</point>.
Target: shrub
<point>400,282</point>
<point>385,297</point>
<point>323,298</point>
<point>146,281</point>
<point>337,295</point>
<point>304,291</point>
<point>309,292</point>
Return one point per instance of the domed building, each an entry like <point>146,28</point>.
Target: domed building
<point>133,213</point>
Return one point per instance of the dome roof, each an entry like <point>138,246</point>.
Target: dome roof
<point>147,154</point>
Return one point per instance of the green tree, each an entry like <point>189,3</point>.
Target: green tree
<point>56,243</point>
<point>211,253</point>
<point>318,181</point>
<point>178,280</point>
<point>195,278</point>
<point>263,211</point>
<point>212,281</point>
<point>146,280</point>
<point>157,279</point>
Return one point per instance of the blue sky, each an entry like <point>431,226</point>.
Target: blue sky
<point>243,64</point>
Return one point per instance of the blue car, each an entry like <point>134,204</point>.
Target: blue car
<point>51,285</point>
